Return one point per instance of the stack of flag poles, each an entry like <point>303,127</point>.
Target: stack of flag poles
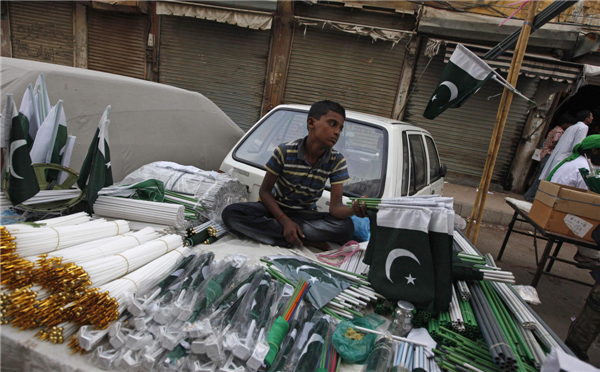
<point>206,233</point>
<point>17,271</point>
<point>140,210</point>
<point>491,273</point>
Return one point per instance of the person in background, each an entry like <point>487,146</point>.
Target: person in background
<point>564,122</point>
<point>572,136</point>
<point>567,173</point>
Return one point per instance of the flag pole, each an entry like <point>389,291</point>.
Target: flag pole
<point>502,115</point>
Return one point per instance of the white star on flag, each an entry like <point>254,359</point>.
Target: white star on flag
<point>433,98</point>
<point>108,165</point>
<point>410,279</point>
<point>312,280</point>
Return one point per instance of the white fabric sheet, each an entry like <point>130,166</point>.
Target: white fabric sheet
<point>148,121</point>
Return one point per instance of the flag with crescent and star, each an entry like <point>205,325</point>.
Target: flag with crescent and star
<point>23,183</point>
<point>325,284</point>
<point>464,74</point>
<point>402,266</point>
<point>50,139</point>
<point>96,171</point>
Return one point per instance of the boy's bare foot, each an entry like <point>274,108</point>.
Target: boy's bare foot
<point>319,245</point>
<point>585,259</point>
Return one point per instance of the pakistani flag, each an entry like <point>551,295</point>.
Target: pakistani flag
<point>95,171</point>
<point>311,353</point>
<point>41,98</point>
<point>50,140</point>
<point>440,244</point>
<point>464,74</point>
<point>325,284</point>
<point>23,183</point>
<point>402,266</point>
<point>29,109</point>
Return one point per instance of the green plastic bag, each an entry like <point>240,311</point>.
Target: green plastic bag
<point>354,351</point>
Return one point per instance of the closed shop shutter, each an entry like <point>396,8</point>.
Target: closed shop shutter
<point>225,63</point>
<point>463,134</point>
<point>117,42</point>
<point>360,74</point>
<point>42,31</point>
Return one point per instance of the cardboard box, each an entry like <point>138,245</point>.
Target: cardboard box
<point>566,210</point>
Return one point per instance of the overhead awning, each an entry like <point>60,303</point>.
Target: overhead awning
<point>545,67</point>
<point>253,19</point>
<point>375,33</point>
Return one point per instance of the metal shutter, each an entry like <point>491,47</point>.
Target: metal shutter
<point>463,134</point>
<point>117,42</point>
<point>226,63</point>
<point>359,74</point>
<point>42,31</point>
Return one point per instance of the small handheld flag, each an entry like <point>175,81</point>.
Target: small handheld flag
<point>464,74</point>
<point>96,171</point>
<point>23,183</point>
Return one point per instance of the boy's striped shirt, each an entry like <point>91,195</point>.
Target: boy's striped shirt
<point>299,185</point>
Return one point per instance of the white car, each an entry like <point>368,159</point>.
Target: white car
<point>385,157</point>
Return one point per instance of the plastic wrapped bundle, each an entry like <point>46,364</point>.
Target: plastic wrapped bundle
<point>214,190</point>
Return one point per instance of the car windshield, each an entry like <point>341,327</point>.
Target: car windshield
<point>361,144</point>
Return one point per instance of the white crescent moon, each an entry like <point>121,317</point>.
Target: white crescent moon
<point>303,267</point>
<point>243,289</point>
<point>314,338</point>
<point>397,253</point>
<point>13,147</point>
<point>453,89</point>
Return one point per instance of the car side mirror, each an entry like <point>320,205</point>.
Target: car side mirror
<point>443,170</point>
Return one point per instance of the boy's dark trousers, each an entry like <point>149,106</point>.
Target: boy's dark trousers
<point>256,222</point>
<point>586,327</point>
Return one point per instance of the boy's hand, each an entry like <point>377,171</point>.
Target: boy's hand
<point>291,231</point>
<point>360,209</point>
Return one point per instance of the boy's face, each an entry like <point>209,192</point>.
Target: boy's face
<point>327,129</point>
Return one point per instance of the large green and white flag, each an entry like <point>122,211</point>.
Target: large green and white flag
<point>325,284</point>
<point>402,266</point>
<point>22,181</point>
<point>96,171</point>
<point>464,74</point>
<point>29,109</point>
<point>440,244</point>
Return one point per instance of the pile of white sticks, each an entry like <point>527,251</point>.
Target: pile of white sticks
<point>141,210</point>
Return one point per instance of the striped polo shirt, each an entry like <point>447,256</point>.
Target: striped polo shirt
<point>299,185</point>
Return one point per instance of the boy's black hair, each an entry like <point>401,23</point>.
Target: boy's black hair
<point>566,119</point>
<point>323,107</point>
<point>583,114</point>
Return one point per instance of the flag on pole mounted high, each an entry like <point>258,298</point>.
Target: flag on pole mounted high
<point>50,140</point>
<point>96,171</point>
<point>464,74</point>
<point>23,183</point>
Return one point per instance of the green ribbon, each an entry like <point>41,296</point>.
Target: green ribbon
<point>275,338</point>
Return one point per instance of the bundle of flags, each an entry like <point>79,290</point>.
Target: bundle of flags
<point>37,133</point>
<point>410,251</point>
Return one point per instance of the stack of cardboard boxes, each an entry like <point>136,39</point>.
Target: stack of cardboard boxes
<point>566,210</point>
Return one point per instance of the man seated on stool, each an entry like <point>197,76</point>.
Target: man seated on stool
<point>296,175</point>
<point>567,173</point>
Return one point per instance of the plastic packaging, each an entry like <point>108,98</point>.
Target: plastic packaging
<point>362,229</point>
<point>353,347</point>
<point>528,294</point>
<point>381,357</point>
